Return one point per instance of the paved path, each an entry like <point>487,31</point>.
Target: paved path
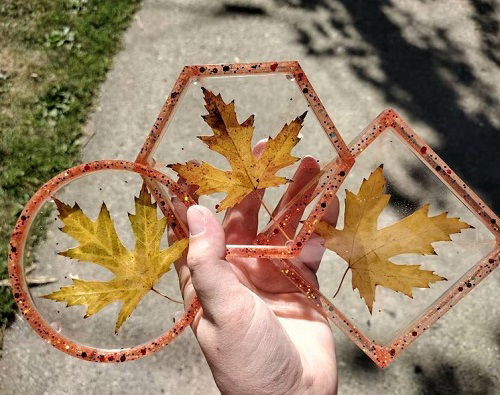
<point>351,70</point>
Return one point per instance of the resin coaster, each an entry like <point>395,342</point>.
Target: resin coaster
<point>275,94</point>
<point>114,184</point>
<point>465,260</point>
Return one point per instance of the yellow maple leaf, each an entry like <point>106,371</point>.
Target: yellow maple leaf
<point>136,272</point>
<point>234,141</point>
<point>367,249</point>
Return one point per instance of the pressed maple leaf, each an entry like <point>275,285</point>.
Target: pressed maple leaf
<point>367,249</point>
<point>136,272</point>
<point>234,141</point>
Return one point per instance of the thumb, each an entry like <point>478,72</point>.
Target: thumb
<point>212,277</point>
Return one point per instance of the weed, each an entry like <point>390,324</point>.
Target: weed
<point>53,56</point>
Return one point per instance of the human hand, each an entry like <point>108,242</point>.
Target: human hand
<point>259,334</point>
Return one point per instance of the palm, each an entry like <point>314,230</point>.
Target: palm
<point>269,316</point>
<point>305,326</point>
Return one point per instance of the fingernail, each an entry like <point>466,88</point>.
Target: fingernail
<point>196,220</point>
<point>313,250</point>
<point>309,162</point>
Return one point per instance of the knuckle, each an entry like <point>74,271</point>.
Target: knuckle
<point>195,260</point>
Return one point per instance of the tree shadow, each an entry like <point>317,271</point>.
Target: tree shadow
<point>444,378</point>
<point>229,9</point>
<point>425,79</point>
<point>486,19</point>
<point>440,378</point>
<point>362,365</point>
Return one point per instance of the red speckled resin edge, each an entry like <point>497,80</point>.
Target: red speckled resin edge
<point>383,355</point>
<point>16,269</point>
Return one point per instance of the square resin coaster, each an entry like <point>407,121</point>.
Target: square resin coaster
<point>416,179</point>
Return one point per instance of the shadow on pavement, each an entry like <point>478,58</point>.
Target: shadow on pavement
<point>228,9</point>
<point>444,378</point>
<point>485,16</point>
<point>422,79</point>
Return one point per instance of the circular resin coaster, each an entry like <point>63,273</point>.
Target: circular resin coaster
<point>106,242</point>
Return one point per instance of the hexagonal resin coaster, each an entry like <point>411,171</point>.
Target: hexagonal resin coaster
<point>415,177</point>
<point>275,94</point>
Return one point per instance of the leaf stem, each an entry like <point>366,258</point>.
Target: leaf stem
<point>300,195</point>
<point>341,281</point>
<point>165,296</point>
<point>272,217</point>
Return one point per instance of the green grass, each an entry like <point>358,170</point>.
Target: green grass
<point>53,56</point>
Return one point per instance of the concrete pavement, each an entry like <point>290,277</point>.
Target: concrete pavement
<point>355,80</point>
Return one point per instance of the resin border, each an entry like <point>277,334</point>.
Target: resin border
<point>16,268</point>
<point>337,169</point>
<point>383,355</point>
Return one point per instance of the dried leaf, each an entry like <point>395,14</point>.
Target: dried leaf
<point>136,272</point>
<point>367,250</point>
<point>234,141</point>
